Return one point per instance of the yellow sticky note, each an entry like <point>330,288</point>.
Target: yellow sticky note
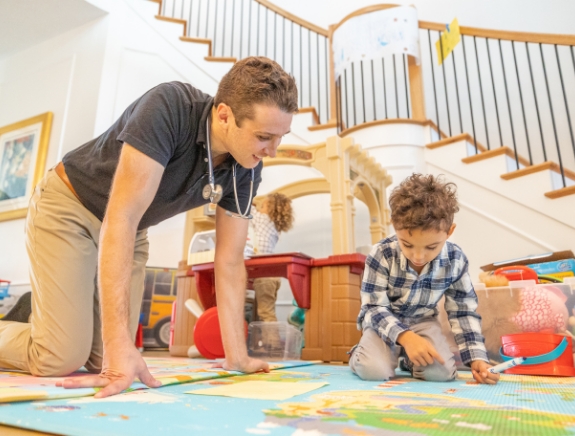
<point>260,390</point>
<point>447,41</point>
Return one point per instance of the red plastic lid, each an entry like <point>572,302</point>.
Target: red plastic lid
<point>208,336</point>
<point>517,272</point>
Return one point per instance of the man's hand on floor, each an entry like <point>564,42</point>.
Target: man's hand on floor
<point>119,369</point>
<point>248,365</point>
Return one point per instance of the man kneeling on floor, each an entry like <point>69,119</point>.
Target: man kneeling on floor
<point>173,149</point>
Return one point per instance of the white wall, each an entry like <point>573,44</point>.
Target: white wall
<point>86,77</point>
<point>61,75</point>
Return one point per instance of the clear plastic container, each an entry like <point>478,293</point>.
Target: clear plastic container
<point>520,307</point>
<point>274,341</point>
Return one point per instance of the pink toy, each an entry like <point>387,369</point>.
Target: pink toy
<point>542,309</point>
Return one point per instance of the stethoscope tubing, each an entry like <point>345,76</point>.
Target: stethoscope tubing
<point>212,182</point>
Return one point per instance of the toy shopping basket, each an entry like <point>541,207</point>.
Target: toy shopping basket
<point>4,286</point>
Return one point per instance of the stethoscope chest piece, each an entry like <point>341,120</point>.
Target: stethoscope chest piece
<point>212,192</point>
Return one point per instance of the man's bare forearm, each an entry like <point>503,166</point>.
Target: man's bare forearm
<point>114,276</point>
<point>230,293</point>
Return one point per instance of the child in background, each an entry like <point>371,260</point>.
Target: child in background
<point>405,277</point>
<point>273,216</point>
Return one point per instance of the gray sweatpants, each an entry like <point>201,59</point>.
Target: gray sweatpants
<point>373,359</point>
<point>62,239</point>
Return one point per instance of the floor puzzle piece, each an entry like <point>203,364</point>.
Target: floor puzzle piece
<point>17,386</point>
<point>260,390</point>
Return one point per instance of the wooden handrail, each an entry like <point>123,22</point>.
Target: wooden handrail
<point>350,130</point>
<point>362,11</point>
<point>293,17</point>
<point>544,38</point>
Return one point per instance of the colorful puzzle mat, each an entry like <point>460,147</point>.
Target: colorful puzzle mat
<point>517,405</point>
<point>18,386</point>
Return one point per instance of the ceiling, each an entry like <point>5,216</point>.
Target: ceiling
<point>24,23</point>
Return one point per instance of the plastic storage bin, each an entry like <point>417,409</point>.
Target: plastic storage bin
<point>520,307</point>
<point>274,341</point>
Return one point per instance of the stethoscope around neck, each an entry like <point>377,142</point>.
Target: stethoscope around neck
<point>214,192</point>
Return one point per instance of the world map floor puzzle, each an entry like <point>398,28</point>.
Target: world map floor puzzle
<point>318,400</point>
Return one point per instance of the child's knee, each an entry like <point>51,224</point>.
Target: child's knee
<point>436,372</point>
<point>368,367</point>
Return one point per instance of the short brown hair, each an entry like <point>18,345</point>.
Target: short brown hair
<point>423,202</point>
<point>257,80</point>
<point>280,211</point>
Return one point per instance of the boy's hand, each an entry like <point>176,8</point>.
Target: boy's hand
<point>480,372</point>
<point>418,349</point>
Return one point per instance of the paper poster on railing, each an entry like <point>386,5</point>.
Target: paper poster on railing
<point>374,35</point>
<point>447,41</point>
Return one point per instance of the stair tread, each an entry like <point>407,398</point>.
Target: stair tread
<point>504,150</point>
<point>328,125</point>
<point>563,192</point>
<point>550,166</point>
<point>220,59</point>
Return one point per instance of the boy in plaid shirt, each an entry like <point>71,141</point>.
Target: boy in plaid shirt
<point>405,277</point>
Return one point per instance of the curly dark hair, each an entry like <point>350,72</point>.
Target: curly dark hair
<point>280,211</point>
<point>423,202</point>
<point>257,80</point>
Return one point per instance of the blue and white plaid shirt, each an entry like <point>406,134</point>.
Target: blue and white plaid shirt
<point>265,234</point>
<point>394,296</point>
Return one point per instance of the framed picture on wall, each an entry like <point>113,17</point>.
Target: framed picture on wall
<point>23,149</point>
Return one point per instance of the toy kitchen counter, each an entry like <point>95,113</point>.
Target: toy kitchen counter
<point>293,266</point>
<point>328,288</point>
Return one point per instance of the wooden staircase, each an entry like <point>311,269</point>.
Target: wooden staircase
<point>210,57</point>
<point>483,153</point>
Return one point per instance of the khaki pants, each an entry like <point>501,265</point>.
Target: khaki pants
<point>266,294</point>
<point>64,334</point>
<point>373,359</point>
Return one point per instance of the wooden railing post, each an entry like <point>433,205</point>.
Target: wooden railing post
<point>416,91</point>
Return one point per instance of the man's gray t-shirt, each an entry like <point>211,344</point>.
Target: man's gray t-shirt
<point>168,124</point>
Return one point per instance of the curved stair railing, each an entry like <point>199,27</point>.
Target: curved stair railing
<point>510,92</point>
<point>235,29</point>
